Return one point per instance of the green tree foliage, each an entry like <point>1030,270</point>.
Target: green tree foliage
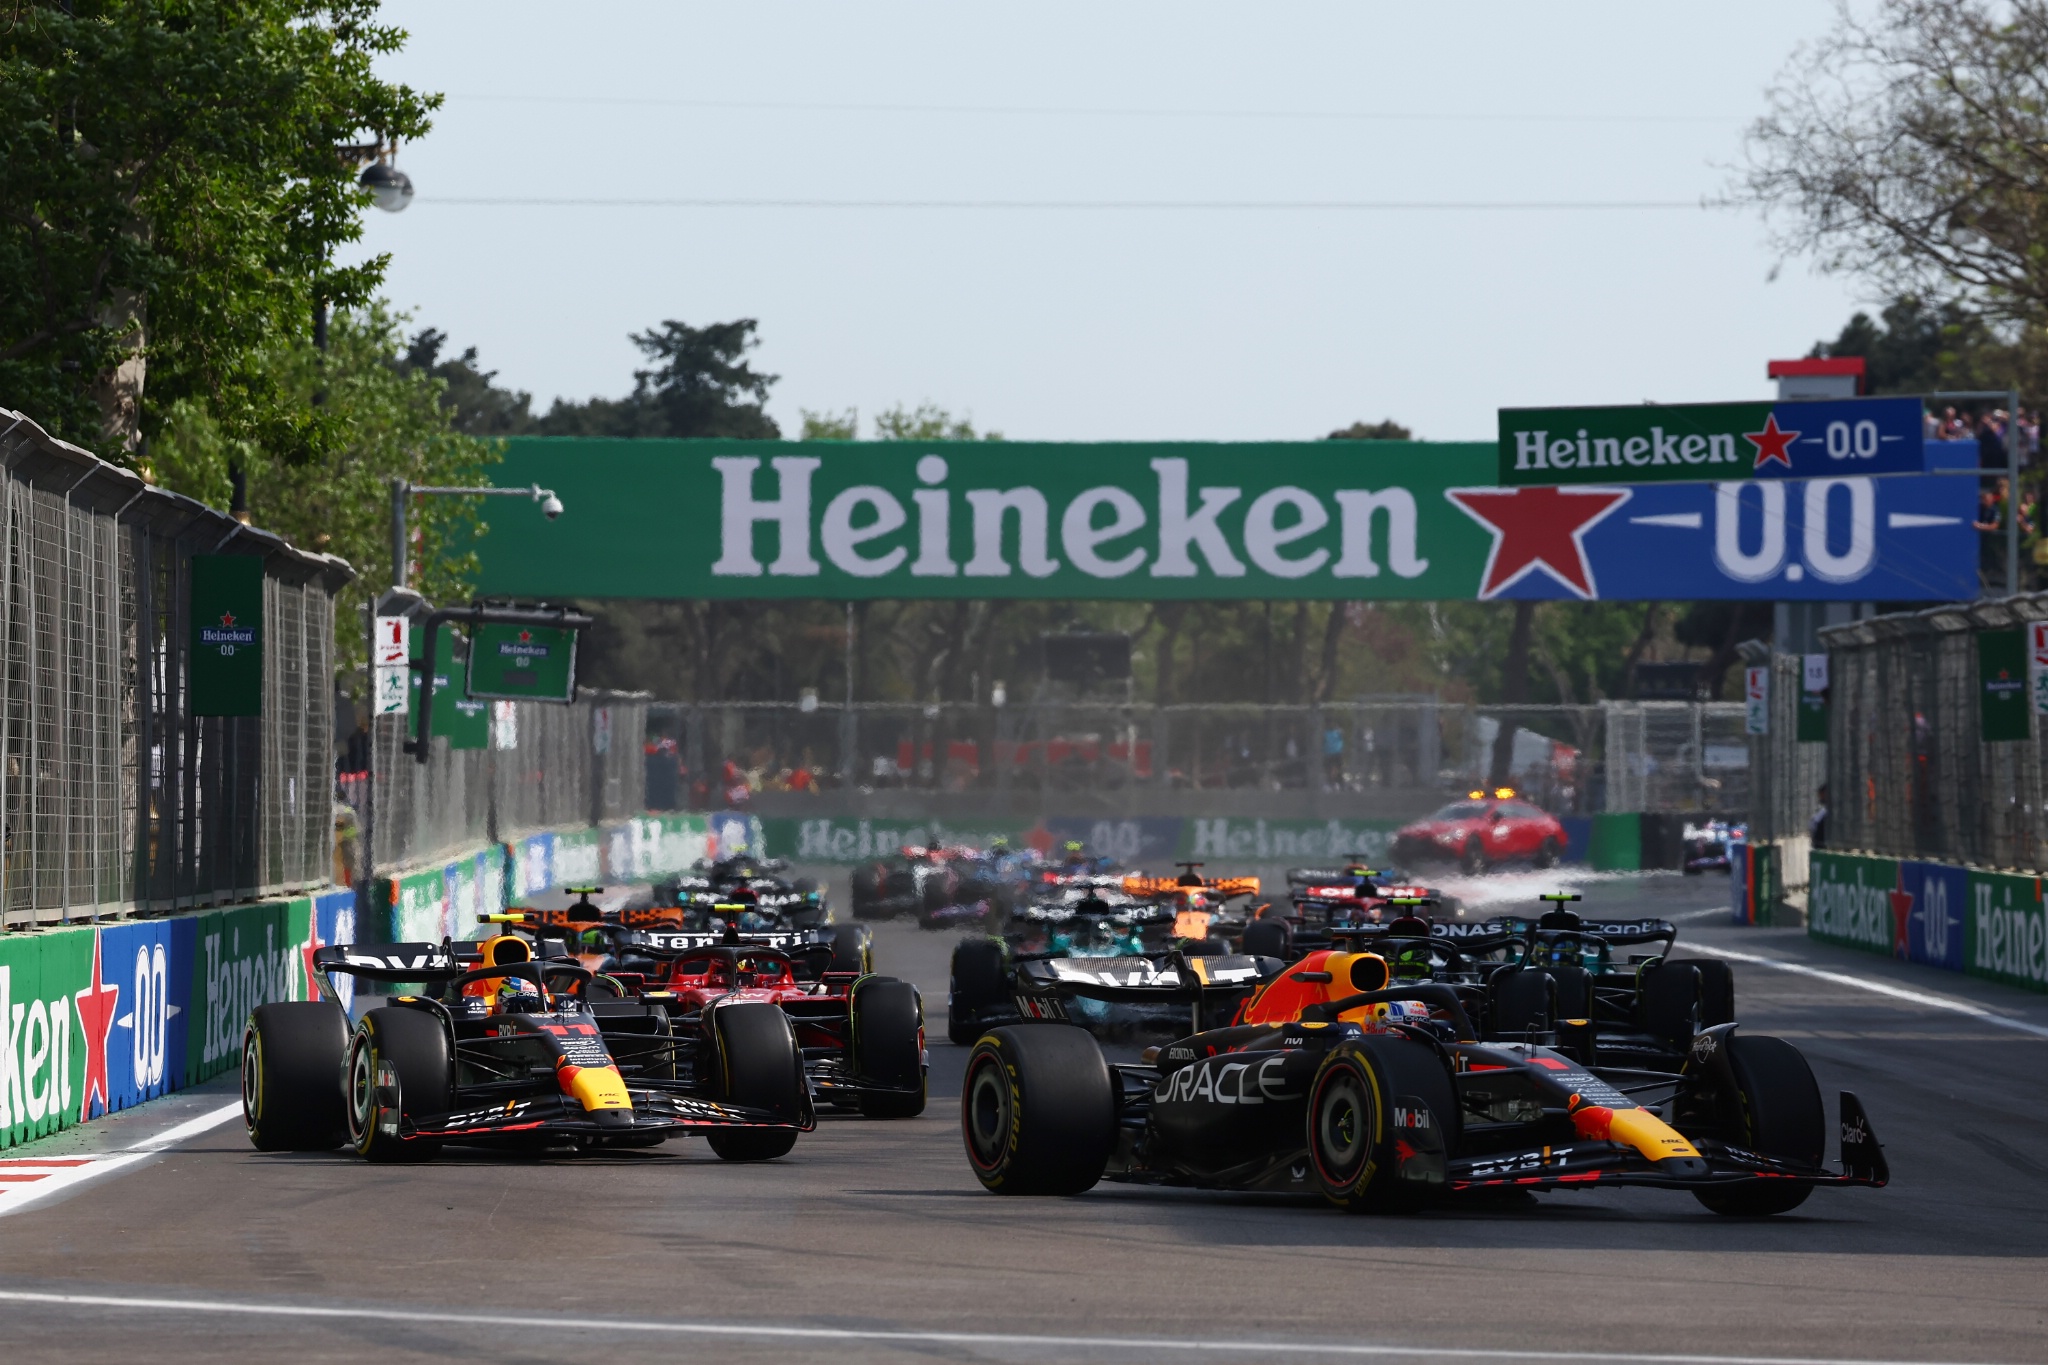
<point>170,200</point>
<point>1389,430</point>
<point>927,422</point>
<point>698,383</point>
<point>830,426</point>
<point>1909,145</point>
<point>476,405</point>
<point>1913,347</point>
<point>389,421</point>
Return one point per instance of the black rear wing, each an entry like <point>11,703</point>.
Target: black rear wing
<point>1614,933</point>
<point>391,961</point>
<point>658,943</point>
<point>1145,980</point>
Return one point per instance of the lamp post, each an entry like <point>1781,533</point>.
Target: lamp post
<point>405,600</point>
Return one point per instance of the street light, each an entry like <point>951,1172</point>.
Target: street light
<point>390,188</point>
<point>402,600</point>
<point>550,507</point>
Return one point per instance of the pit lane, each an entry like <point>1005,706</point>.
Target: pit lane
<point>872,1241</point>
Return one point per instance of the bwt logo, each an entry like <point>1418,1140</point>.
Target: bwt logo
<point>1015,528</point>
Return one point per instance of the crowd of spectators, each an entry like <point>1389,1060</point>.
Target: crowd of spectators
<point>1995,502</point>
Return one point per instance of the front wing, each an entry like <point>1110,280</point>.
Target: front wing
<point>654,1112</point>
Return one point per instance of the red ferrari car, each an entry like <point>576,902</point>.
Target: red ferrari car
<point>1483,830</point>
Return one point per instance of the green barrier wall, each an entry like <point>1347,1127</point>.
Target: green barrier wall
<point>1962,919</point>
<point>1617,842</point>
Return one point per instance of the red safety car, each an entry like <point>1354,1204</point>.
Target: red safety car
<point>1485,829</point>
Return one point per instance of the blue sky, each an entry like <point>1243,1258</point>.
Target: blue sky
<point>1200,323</point>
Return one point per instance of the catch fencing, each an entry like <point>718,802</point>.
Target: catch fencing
<point>115,798</point>
<point>1402,750</point>
<point>1909,772</point>
<point>546,766</point>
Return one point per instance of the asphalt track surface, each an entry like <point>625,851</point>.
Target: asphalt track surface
<point>872,1242</point>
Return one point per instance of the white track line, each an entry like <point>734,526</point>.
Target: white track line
<point>1250,1349</point>
<point>1939,1002</point>
<point>47,1176</point>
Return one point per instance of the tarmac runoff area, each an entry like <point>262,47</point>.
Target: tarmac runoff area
<point>161,1235</point>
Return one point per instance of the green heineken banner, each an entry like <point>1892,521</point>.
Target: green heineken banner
<point>1655,443</point>
<point>227,635</point>
<point>459,718</point>
<point>528,663</point>
<point>2003,704</point>
<point>1332,520</point>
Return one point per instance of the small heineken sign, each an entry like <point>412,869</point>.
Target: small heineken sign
<point>226,666</point>
<point>1712,442</point>
<point>2004,710</point>
<point>527,663</point>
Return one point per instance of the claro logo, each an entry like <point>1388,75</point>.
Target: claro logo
<point>1215,1082</point>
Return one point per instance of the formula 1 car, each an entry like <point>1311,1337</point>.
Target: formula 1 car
<point>1324,899</point>
<point>778,901</point>
<point>609,942</point>
<point>918,881</point>
<point>1334,1077</point>
<point>1091,915</point>
<point>1706,846</point>
<point>504,1049</point>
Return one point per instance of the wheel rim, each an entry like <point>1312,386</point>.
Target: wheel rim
<point>362,1090</point>
<point>1343,1120</point>
<point>252,1081</point>
<point>987,1113</point>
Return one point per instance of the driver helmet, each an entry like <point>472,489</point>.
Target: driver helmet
<point>516,995</point>
<point>592,941</point>
<point>1410,962</point>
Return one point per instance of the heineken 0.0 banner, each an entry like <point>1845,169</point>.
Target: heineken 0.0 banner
<point>1652,443</point>
<point>227,635</point>
<point>525,663</point>
<point>1332,520</point>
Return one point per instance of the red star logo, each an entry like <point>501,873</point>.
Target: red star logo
<point>1772,444</point>
<point>312,945</point>
<point>1538,527</point>
<point>525,636</point>
<point>227,618</point>
<point>95,1005</point>
<point>1902,914</point>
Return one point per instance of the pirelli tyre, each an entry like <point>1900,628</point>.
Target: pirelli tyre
<point>1038,1110</point>
<point>977,983</point>
<point>1717,990</point>
<point>755,1063</point>
<point>888,1047</point>
<point>1381,1116</point>
<point>292,1056</point>
<point>1777,1112</point>
<point>866,896</point>
<point>400,1067</point>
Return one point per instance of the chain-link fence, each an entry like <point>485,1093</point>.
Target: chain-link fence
<point>545,766</point>
<point>1785,771</point>
<point>1650,756</point>
<point>1909,773</point>
<point>114,797</point>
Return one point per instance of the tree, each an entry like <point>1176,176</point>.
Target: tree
<point>476,406</point>
<point>699,384</point>
<point>1910,145</point>
<point>927,422</point>
<point>389,421</point>
<point>830,426</point>
<point>171,199</point>
<point>1916,348</point>
<point>1389,430</point>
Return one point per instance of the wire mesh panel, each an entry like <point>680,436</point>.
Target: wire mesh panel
<point>1910,774</point>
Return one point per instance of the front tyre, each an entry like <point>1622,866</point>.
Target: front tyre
<point>757,1065</point>
<point>292,1058</point>
<point>399,1067</point>
<point>1780,1115</point>
<point>1038,1110</point>
<point>1365,1095</point>
<point>1548,854</point>
<point>1472,861</point>
<point>888,1048</point>
<point>977,983</point>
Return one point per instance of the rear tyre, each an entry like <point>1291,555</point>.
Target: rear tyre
<point>1668,1001</point>
<point>867,891</point>
<point>403,1054</point>
<point>292,1057</point>
<point>1780,1115</point>
<point>852,948</point>
<point>977,984</point>
<point>1269,938</point>
<point>756,1065</point>
<point>1717,990</point>
<point>1354,1136</point>
<point>940,890</point>
<point>888,1047</point>
<point>1038,1110</point>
